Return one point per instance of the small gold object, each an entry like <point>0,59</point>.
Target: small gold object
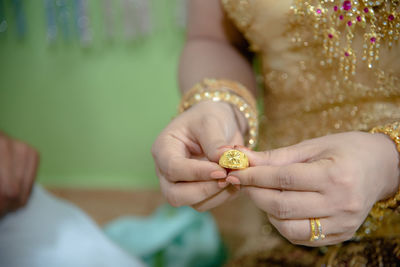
<point>234,160</point>
<point>234,93</point>
<point>316,230</point>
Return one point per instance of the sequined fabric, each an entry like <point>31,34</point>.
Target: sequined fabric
<point>305,98</point>
<point>371,252</point>
<point>310,94</point>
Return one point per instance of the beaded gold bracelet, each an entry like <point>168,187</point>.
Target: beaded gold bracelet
<point>385,207</point>
<point>393,131</point>
<point>230,92</point>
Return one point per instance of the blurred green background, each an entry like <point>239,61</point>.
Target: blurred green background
<point>92,112</point>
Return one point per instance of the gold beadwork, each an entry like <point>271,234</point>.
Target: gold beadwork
<point>220,84</point>
<point>230,92</point>
<point>393,131</point>
<point>383,208</point>
<point>335,23</point>
<point>234,160</point>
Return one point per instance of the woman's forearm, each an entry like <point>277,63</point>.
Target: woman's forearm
<point>202,58</point>
<point>210,51</point>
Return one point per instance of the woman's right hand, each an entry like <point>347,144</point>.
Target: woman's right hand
<point>188,149</point>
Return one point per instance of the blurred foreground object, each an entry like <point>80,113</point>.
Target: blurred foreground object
<point>18,166</point>
<point>170,237</point>
<point>52,232</point>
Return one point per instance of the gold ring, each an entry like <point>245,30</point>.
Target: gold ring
<point>319,227</point>
<point>234,159</point>
<point>316,230</point>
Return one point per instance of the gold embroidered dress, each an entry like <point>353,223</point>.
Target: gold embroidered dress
<point>328,66</point>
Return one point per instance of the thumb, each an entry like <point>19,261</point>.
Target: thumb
<point>214,136</point>
<point>279,157</point>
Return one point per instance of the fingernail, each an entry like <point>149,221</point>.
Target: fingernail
<point>218,175</point>
<point>222,184</point>
<point>226,146</point>
<point>242,147</point>
<point>233,180</point>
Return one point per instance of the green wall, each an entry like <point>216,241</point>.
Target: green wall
<point>92,112</point>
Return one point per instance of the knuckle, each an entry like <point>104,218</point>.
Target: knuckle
<point>197,173</point>
<point>250,179</point>
<point>340,178</point>
<point>171,195</point>
<point>205,191</point>
<point>281,210</point>
<point>345,182</point>
<point>267,154</point>
<point>172,199</point>
<point>344,177</point>
<point>171,170</point>
<point>296,153</point>
<point>281,154</point>
<point>285,179</point>
<point>334,175</point>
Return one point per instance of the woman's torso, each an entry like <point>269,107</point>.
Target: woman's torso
<point>301,45</point>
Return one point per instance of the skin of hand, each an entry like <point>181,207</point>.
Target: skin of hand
<point>18,167</point>
<point>336,178</point>
<point>187,151</point>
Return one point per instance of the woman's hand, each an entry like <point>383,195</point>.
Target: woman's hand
<point>187,151</point>
<point>336,178</point>
<point>18,165</point>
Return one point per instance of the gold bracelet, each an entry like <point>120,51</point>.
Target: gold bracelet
<point>393,131</point>
<point>230,92</point>
<point>385,207</point>
<point>217,85</point>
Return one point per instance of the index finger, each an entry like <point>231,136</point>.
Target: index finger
<point>172,157</point>
<point>296,177</point>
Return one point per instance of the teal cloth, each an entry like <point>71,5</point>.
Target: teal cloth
<point>171,237</point>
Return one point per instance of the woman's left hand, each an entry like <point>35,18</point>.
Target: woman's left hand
<point>336,178</point>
